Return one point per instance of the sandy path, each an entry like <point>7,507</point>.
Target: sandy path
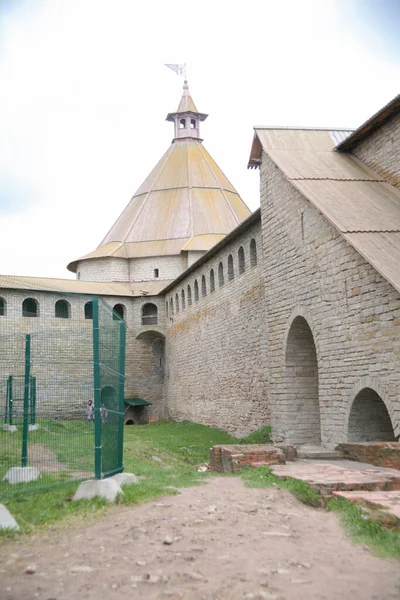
<point>228,542</point>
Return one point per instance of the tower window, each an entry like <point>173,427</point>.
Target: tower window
<point>242,262</point>
<point>231,272</point>
<point>183,299</point>
<point>89,310</point>
<point>156,273</point>
<point>177,302</point>
<point>189,295</point>
<point>203,286</point>
<point>221,274</point>
<point>2,307</point>
<point>193,124</point>
<point>62,309</point>
<point>149,314</point>
<point>30,307</point>
<point>253,253</point>
<point>182,123</point>
<point>196,291</point>
<point>118,313</point>
<point>212,280</point>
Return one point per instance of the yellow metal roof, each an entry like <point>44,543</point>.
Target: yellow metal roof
<point>358,202</point>
<point>93,288</point>
<point>185,196</point>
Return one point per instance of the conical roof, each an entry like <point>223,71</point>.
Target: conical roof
<point>186,203</point>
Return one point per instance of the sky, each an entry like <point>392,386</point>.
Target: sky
<point>84,94</point>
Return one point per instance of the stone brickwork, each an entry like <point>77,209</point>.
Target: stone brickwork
<point>217,366</point>
<point>62,351</point>
<point>313,277</point>
<point>381,454</point>
<point>103,269</point>
<point>232,458</point>
<point>380,151</point>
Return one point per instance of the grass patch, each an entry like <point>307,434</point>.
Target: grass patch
<point>180,448</point>
<point>261,436</point>
<point>382,542</point>
<point>262,477</point>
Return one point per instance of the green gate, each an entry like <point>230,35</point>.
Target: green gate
<point>109,331</point>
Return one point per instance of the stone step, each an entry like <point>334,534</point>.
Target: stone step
<point>317,452</point>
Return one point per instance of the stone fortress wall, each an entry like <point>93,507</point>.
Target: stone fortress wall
<point>380,151</point>
<point>216,371</point>
<point>62,351</point>
<point>332,327</point>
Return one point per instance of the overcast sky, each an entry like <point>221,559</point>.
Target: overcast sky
<point>84,96</point>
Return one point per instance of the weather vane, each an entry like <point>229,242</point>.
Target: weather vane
<point>178,69</point>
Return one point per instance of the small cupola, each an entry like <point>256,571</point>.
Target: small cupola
<point>187,118</point>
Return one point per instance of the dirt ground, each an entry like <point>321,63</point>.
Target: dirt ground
<point>219,541</point>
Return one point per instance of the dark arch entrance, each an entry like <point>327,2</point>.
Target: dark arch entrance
<point>369,420</point>
<point>301,385</point>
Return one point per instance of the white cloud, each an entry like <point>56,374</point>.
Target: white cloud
<point>85,94</point>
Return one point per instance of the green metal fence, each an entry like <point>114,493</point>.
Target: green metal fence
<point>61,390</point>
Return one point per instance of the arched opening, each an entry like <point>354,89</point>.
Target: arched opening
<point>193,124</point>
<point>30,307</point>
<point>156,273</point>
<point>89,310</point>
<point>183,301</point>
<point>231,272</point>
<point>182,123</point>
<point>221,274</point>
<point>253,253</point>
<point>166,309</point>
<point>301,385</point>
<point>241,260</point>
<point>196,291</point>
<point>62,309</point>
<point>212,281</point>
<point>119,312</point>
<point>176,302</point>
<point>2,307</point>
<point>171,306</point>
<point>203,286</point>
<point>148,369</point>
<point>369,420</point>
<point>149,314</point>
<point>189,295</point>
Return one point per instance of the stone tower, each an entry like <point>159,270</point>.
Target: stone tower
<point>184,207</point>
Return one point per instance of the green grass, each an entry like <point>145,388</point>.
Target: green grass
<point>262,477</point>
<point>180,446</point>
<point>261,436</point>
<point>381,541</point>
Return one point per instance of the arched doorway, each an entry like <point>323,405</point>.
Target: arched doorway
<point>369,420</point>
<point>148,369</point>
<point>301,385</point>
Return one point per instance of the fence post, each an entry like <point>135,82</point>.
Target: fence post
<point>25,427</point>
<point>97,388</point>
<point>121,392</point>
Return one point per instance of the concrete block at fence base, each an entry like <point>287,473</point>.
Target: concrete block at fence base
<point>10,428</point>
<point>102,488</point>
<point>21,475</point>
<point>125,478</point>
<point>7,521</point>
<point>34,427</point>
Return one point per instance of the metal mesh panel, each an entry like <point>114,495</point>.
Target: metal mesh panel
<point>51,417</point>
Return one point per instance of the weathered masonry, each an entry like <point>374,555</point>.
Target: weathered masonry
<point>331,239</point>
<point>216,336</point>
<point>289,315</point>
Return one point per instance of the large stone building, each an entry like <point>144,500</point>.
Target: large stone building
<point>289,315</point>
